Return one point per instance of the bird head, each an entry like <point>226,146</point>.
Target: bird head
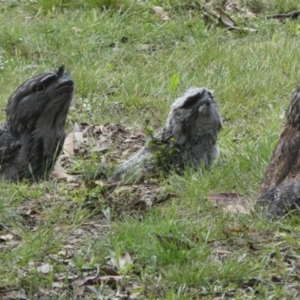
<point>42,101</point>
<point>194,113</point>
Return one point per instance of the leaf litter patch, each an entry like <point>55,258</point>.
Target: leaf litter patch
<point>111,144</point>
<point>232,203</point>
<point>106,278</point>
<point>91,282</point>
<point>115,277</point>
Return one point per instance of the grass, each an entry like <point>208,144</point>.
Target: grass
<point>185,248</point>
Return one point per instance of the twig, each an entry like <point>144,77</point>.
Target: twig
<point>292,15</point>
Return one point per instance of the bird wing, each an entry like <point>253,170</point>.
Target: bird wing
<point>9,146</point>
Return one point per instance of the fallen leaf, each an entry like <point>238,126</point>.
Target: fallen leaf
<point>58,284</point>
<point>82,281</point>
<point>146,47</point>
<point>6,237</point>
<point>230,23</point>
<point>135,295</point>
<point>79,290</point>
<point>224,198</point>
<point>76,128</point>
<point>124,260</point>
<point>247,14</point>
<point>78,140</point>
<point>96,279</point>
<point>68,147</point>
<point>237,209</point>
<point>221,251</point>
<point>110,278</point>
<point>219,17</point>
<point>60,173</point>
<point>231,202</point>
<point>109,271</point>
<point>45,268</point>
<point>290,15</point>
<point>226,20</point>
<point>76,29</point>
<point>161,13</point>
<point>13,294</point>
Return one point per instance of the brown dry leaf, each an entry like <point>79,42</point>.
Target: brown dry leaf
<point>79,290</point>
<point>161,13</point>
<point>64,256</point>
<point>101,183</point>
<point>137,134</point>
<point>48,293</point>
<point>45,268</point>
<point>226,20</point>
<point>219,17</point>
<point>102,145</point>
<point>290,15</point>
<point>122,189</point>
<point>221,251</point>
<point>247,29</point>
<point>135,295</point>
<point>109,271</point>
<point>116,263</point>
<point>58,284</point>
<point>109,279</point>
<point>247,14</point>
<point>236,209</point>
<point>60,173</point>
<point>30,211</point>
<point>76,128</point>
<point>78,140</point>
<point>68,147</point>
<point>76,29</point>
<point>88,280</point>
<point>230,5</point>
<point>225,198</point>
<point>146,47</point>
<point>128,199</point>
<point>124,260</point>
<point>231,202</point>
<point>13,294</point>
<point>6,237</point>
<point>230,23</point>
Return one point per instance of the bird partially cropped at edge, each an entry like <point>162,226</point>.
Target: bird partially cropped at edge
<point>33,134</point>
<point>280,189</point>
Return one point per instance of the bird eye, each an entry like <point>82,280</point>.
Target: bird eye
<point>40,87</point>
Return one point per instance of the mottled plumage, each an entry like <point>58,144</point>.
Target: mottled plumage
<point>280,188</point>
<point>189,137</point>
<point>33,134</point>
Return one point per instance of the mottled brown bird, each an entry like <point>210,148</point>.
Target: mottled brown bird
<point>33,134</point>
<point>280,188</point>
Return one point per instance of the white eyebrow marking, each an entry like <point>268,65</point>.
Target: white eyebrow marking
<point>50,75</point>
